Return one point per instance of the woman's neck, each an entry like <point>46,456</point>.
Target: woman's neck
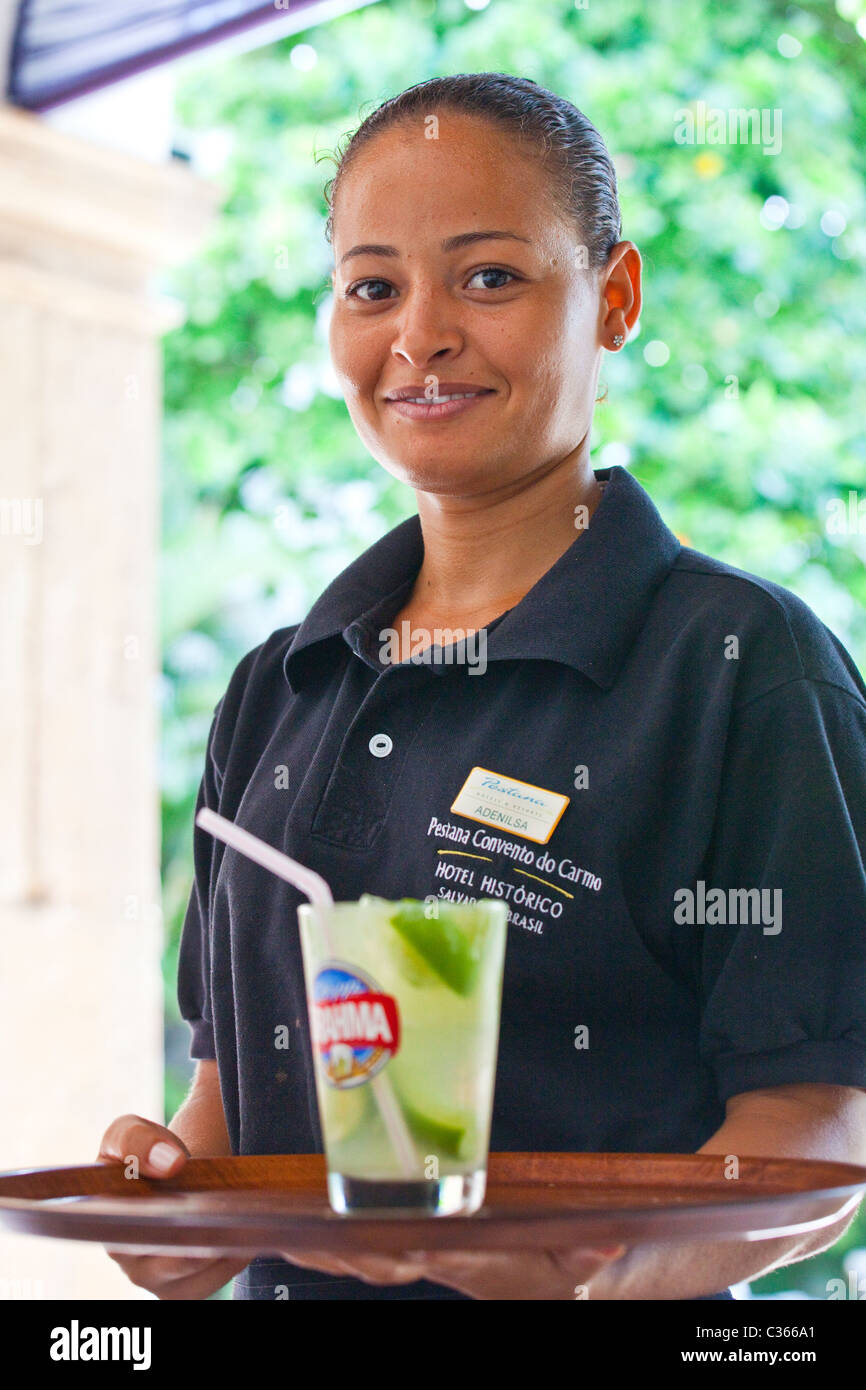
<point>481,556</point>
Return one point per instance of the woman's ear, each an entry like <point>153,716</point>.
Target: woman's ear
<point>621,292</point>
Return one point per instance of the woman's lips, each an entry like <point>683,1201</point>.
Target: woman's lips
<point>417,410</point>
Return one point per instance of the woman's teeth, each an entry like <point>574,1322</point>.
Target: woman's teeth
<point>437,400</point>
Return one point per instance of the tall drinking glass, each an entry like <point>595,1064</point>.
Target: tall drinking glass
<point>404,1000</point>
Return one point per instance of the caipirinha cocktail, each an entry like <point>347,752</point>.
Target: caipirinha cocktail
<point>404,1002</point>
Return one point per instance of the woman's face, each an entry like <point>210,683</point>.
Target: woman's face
<point>518,317</point>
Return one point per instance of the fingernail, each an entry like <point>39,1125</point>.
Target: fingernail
<point>162,1157</point>
<point>609,1251</point>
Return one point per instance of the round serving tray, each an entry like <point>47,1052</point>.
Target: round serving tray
<point>268,1204</point>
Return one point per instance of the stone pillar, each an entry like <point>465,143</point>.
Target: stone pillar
<point>83,230</point>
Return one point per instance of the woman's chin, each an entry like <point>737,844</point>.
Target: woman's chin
<point>448,477</point>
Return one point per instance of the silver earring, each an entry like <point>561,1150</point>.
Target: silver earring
<point>618,340</point>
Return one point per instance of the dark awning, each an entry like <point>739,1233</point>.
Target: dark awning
<point>62,49</point>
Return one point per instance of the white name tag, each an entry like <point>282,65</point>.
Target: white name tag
<point>518,807</point>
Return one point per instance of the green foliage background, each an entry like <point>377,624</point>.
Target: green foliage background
<point>742,437</point>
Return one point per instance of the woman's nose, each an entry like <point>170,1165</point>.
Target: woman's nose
<point>426,327</point>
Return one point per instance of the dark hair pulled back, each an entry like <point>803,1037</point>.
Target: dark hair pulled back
<point>583,179</point>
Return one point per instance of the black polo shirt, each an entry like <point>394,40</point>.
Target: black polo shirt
<point>692,923</point>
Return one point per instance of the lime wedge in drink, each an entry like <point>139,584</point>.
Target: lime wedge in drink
<point>449,946</point>
<point>443,1133</point>
<point>410,964</point>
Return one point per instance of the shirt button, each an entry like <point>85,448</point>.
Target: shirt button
<point>380,745</point>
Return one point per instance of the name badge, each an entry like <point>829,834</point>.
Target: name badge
<point>509,804</point>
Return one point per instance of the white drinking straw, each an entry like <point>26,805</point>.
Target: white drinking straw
<point>317,890</point>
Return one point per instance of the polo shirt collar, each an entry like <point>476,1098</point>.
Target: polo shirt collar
<point>585,611</point>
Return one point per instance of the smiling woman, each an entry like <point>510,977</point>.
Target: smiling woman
<point>478,274</point>
<point>665,722</point>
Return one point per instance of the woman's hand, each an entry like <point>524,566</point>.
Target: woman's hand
<point>531,1274</point>
<point>161,1154</point>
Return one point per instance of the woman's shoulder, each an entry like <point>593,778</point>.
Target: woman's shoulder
<point>261,662</point>
<point>778,636</point>
<point>256,688</point>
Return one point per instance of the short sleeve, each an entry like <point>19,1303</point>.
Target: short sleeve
<point>194,957</point>
<point>784,972</point>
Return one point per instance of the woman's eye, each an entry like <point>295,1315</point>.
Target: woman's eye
<point>354,291</point>
<point>492,270</point>
<point>375,291</point>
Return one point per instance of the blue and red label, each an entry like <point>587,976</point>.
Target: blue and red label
<point>356,1026</point>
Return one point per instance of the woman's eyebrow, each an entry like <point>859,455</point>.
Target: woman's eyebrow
<point>452,243</point>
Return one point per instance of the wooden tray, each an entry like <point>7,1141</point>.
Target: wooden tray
<point>267,1204</point>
